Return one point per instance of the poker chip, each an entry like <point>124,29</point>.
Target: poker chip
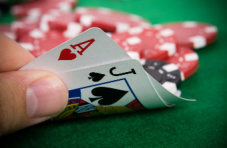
<point>148,42</point>
<point>73,29</point>
<point>23,26</point>
<point>48,22</point>
<point>130,43</point>
<point>167,74</point>
<point>38,42</point>
<point>186,59</point>
<point>192,34</point>
<point>34,9</point>
<point>158,44</point>
<point>108,20</point>
<point>32,35</point>
<point>66,24</point>
<point>61,24</point>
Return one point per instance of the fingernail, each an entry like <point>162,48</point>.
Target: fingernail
<point>46,97</point>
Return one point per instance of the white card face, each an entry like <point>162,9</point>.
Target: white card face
<point>91,48</point>
<point>115,84</point>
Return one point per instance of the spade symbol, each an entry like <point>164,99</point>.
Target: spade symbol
<point>95,76</point>
<point>107,96</point>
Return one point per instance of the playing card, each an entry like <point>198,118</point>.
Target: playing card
<point>118,75</point>
<point>91,48</point>
<point>124,85</point>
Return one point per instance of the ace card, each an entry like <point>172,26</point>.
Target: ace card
<point>91,48</point>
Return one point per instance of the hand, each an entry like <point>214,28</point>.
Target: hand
<point>27,97</point>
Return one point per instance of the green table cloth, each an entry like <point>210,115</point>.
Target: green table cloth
<point>189,124</point>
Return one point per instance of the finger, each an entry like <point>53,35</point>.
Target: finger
<point>12,55</point>
<point>28,97</point>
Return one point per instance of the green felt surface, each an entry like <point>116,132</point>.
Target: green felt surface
<point>201,124</point>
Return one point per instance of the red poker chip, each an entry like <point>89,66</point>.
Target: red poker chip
<point>192,34</point>
<point>60,21</point>
<point>108,20</point>
<point>130,43</point>
<point>6,29</point>
<point>35,9</point>
<point>154,44</point>
<point>158,44</point>
<point>186,59</point>
<point>23,26</point>
<point>73,29</point>
<point>66,24</point>
<point>32,35</point>
<point>38,42</point>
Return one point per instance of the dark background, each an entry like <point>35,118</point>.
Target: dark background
<point>189,124</point>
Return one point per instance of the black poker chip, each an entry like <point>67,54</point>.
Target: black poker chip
<point>163,72</point>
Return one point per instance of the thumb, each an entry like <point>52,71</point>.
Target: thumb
<point>28,97</point>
